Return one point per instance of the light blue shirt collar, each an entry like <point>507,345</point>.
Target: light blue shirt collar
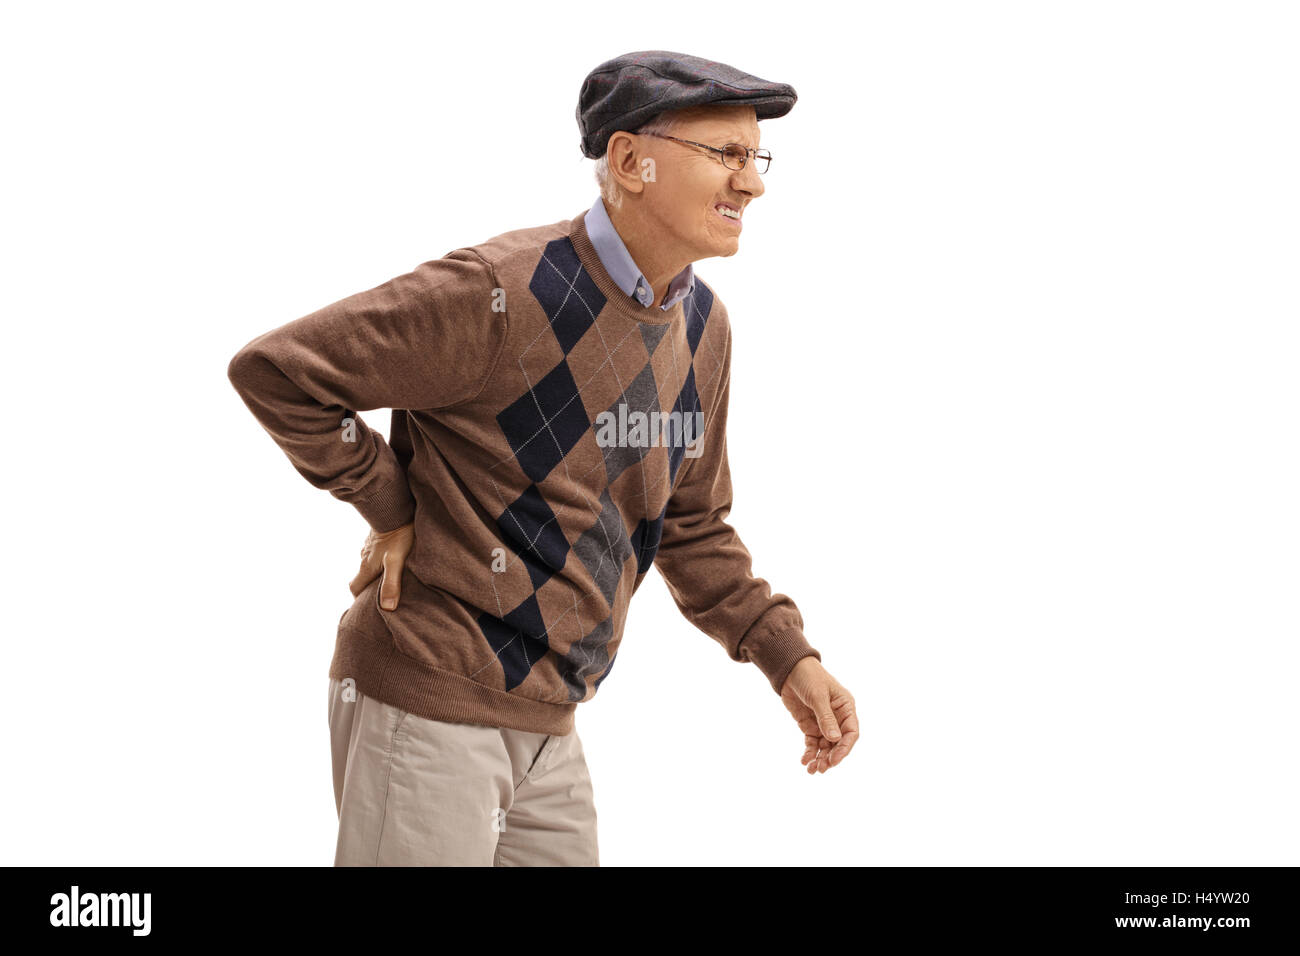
<point>620,266</point>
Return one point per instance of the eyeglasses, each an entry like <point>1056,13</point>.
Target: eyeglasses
<point>734,155</point>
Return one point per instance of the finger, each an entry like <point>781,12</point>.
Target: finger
<point>390,589</point>
<point>810,755</point>
<point>845,743</point>
<point>364,576</point>
<point>842,748</point>
<point>823,751</point>
<point>819,765</point>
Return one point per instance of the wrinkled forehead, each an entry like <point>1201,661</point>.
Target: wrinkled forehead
<point>735,124</point>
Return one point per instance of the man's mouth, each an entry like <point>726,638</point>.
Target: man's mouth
<point>728,212</point>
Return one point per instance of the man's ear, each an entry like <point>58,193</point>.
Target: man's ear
<point>626,164</point>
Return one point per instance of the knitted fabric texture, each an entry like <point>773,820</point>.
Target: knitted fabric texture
<point>551,439</point>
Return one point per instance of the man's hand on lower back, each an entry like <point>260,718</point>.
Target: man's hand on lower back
<point>825,712</point>
<point>384,554</point>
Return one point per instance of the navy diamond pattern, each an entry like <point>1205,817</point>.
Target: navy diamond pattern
<point>529,523</point>
<point>645,541</point>
<point>687,404</point>
<point>698,305</point>
<point>566,292</point>
<point>519,640</point>
<point>545,422</point>
<point>542,426</point>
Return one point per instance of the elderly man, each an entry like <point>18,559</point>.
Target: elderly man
<point>560,400</point>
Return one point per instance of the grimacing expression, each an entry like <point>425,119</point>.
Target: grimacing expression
<point>690,182</point>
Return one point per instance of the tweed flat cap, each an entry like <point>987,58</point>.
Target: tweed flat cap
<point>629,90</point>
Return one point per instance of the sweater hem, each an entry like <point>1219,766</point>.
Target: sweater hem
<point>380,670</point>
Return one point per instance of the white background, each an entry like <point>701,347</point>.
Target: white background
<point>1014,418</point>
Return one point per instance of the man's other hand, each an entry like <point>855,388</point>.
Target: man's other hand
<point>384,554</point>
<point>825,712</point>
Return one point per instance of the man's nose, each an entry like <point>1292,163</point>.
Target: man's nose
<point>748,180</point>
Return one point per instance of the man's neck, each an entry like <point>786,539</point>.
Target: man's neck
<point>658,263</point>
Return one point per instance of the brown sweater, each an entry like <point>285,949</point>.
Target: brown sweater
<point>551,438</point>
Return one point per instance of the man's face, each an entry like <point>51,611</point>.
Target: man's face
<point>690,182</point>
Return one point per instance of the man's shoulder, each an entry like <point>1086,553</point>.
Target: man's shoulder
<point>527,243</point>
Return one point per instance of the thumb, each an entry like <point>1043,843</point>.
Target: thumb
<point>826,719</point>
<point>390,588</point>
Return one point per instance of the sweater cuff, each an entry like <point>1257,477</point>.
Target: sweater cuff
<point>389,508</point>
<point>776,653</point>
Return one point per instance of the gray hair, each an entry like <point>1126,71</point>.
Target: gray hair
<point>610,190</point>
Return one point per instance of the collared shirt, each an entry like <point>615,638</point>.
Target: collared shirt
<point>622,269</point>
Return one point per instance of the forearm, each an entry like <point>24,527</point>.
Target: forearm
<point>709,574</point>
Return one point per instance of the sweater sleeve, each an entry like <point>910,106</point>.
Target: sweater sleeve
<point>708,569</point>
<point>428,339</point>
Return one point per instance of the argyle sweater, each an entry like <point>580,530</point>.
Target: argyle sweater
<point>551,439</point>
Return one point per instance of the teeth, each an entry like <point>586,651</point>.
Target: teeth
<point>731,213</point>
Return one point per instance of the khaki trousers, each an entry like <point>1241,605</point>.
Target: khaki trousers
<point>417,792</point>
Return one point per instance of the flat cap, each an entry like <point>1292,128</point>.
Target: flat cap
<point>630,90</point>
